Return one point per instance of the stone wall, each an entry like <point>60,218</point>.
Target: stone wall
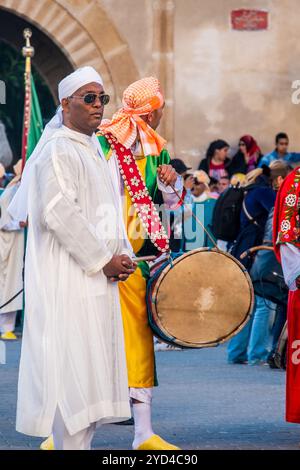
<point>218,83</point>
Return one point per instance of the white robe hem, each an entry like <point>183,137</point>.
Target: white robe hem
<point>94,414</point>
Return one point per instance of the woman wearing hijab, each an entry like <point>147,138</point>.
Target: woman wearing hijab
<point>247,157</point>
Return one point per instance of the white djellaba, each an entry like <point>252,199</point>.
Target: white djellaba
<point>73,356</point>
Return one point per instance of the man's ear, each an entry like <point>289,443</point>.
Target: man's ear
<point>65,104</point>
<point>150,117</point>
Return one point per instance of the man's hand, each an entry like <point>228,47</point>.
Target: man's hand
<point>119,268</point>
<point>189,182</point>
<point>298,282</point>
<point>23,224</point>
<point>167,174</point>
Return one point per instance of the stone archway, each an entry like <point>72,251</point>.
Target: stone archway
<point>76,33</point>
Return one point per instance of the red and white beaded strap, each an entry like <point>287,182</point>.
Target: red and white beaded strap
<point>139,194</point>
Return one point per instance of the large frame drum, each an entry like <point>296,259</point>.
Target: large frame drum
<point>200,299</point>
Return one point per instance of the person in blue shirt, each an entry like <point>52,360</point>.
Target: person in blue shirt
<point>258,200</point>
<point>280,152</point>
<point>253,344</point>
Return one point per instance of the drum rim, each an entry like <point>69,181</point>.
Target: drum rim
<point>162,275</point>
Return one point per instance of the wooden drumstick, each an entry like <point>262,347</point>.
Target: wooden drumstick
<point>136,259</point>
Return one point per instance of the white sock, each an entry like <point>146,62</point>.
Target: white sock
<point>142,423</point>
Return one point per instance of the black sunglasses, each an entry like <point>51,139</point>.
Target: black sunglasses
<point>90,98</point>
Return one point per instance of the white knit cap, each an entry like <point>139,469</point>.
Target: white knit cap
<point>76,80</point>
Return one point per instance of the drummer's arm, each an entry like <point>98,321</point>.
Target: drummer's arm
<point>290,262</point>
<point>170,198</point>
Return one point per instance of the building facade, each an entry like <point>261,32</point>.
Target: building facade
<point>224,73</point>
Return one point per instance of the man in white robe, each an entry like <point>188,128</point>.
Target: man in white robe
<point>73,371</point>
<point>11,262</point>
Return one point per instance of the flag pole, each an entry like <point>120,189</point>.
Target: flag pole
<point>28,53</point>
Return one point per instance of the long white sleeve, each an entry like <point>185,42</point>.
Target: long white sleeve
<point>7,223</point>
<point>11,226</point>
<point>290,261</point>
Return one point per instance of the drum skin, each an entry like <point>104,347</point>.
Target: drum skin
<point>200,299</point>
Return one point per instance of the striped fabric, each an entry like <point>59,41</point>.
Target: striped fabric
<point>139,99</point>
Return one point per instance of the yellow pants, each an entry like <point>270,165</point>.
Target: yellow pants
<point>138,335</point>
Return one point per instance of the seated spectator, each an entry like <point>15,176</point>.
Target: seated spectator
<point>203,207</point>
<point>180,166</point>
<point>214,188</point>
<point>216,160</point>
<point>247,157</point>
<point>200,189</point>
<point>280,152</point>
<point>223,184</point>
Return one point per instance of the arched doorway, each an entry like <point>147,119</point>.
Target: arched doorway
<point>68,35</point>
<point>49,66</point>
<point>49,60</point>
<point>83,34</point>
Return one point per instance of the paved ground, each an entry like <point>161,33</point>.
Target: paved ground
<point>202,403</point>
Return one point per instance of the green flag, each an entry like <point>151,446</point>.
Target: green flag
<point>36,122</point>
<point>32,128</point>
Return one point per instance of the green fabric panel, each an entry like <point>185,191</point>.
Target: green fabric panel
<point>104,144</point>
<point>145,270</point>
<point>153,163</point>
<point>36,122</point>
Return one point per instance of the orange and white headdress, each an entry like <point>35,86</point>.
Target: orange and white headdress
<point>139,99</point>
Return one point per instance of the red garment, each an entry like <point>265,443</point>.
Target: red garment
<point>286,222</point>
<point>293,359</point>
<point>251,145</point>
<point>217,171</point>
<point>139,195</point>
<point>286,229</point>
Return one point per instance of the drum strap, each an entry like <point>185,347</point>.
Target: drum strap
<point>248,215</point>
<point>139,195</point>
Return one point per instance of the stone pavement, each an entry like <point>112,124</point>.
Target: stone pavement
<point>202,403</point>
